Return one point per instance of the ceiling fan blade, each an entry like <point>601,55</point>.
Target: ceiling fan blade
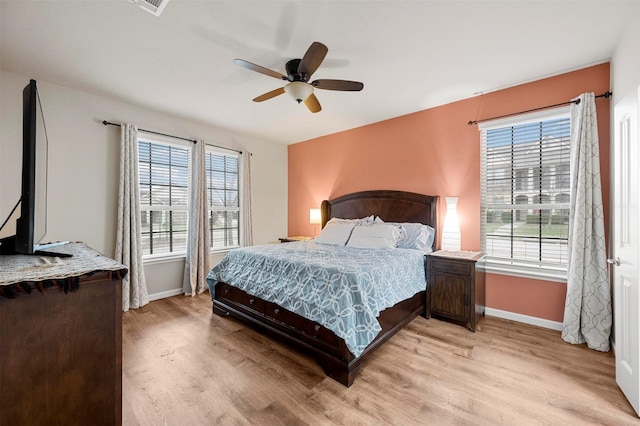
<point>345,85</point>
<point>269,95</point>
<point>312,103</point>
<point>312,59</point>
<point>258,68</point>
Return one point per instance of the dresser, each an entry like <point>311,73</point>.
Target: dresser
<point>456,287</point>
<point>61,339</point>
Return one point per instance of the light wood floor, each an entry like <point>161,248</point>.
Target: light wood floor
<point>182,365</point>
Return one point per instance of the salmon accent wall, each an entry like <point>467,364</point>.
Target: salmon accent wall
<point>541,299</point>
<point>436,152</point>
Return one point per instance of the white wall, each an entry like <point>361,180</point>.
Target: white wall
<point>625,63</point>
<point>84,161</point>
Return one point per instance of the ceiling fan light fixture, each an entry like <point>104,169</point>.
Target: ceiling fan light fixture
<point>297,79</point>
<point>299,90</point>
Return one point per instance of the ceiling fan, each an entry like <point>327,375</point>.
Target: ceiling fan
<point>298,73</point>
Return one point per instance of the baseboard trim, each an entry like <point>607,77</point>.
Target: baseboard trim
<point>540,322</point>
<point>165,294</point>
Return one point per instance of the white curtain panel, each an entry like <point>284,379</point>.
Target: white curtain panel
<point>247,223</point>
<point>587,314</point>
<point>128,238</point>
<point>198,260</point>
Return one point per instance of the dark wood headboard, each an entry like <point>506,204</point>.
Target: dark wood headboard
<point>391,206</point>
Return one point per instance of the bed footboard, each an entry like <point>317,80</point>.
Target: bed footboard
<point>329,350</point>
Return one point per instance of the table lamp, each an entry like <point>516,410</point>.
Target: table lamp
<point>451,229</point>
<point>315,218</point>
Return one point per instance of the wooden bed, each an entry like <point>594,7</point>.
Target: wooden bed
<point>329,350</point>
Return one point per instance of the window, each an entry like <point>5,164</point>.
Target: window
<point>164,196</point>
<point>525,202</point>
<point>223,193</point>
<point>165,180</point>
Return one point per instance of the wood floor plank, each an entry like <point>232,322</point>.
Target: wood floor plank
<point>182,365</point>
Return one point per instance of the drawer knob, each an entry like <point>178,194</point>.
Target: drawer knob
<point>276,311</point>
<point>226,291</point>
<point>317,327</point>
<point>252,301</point>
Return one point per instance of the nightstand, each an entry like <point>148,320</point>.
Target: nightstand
<point>455,287</point>
<point>297,238</point>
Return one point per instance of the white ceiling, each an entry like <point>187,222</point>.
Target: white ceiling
<point>410,55</point>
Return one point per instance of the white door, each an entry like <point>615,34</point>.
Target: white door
<point>626,240</point>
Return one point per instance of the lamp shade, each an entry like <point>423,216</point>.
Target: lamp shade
<point>314,216</point>
<point>299,90</point>
<point>451,229</point>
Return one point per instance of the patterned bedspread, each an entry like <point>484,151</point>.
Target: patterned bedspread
<point>342,288</point>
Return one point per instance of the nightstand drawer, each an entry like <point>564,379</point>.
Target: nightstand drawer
<point>451,266</point>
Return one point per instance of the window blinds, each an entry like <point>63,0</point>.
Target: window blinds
<point>525,187</point>
<point>164,196</point>
<point>223,191</point>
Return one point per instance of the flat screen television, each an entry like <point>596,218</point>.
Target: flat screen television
<point>31,225</point>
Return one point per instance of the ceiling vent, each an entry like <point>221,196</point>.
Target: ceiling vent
<point>152,6</point>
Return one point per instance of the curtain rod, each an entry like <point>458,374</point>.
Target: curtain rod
<point>107,123</point>
<point>606,94</point>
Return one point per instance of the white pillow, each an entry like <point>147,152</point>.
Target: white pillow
<point>336,233</point>
<point>361,221</point>
<point>418,237</point>
<point>368,219</point>
<point>374,236</point>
